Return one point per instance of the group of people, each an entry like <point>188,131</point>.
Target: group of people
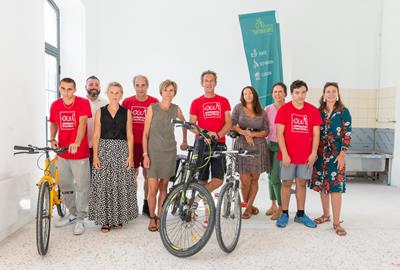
<point>108,141</point>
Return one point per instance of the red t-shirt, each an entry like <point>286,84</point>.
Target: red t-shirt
<point>298,130</point>
<point>210,112</point>
<point>138,110</point>
<point>67,120</point>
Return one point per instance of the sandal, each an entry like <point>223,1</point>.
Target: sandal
<point>158,223</point>
<point>247,214</point>
<point>254,210</point>
<point>322,219</point>
<point>339,230</point>
<point>271,210</point>
<point>105,229</point>
<point>153,228</point>
<point>119,226</point>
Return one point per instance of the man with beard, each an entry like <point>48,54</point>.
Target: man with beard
<point>93,90</point>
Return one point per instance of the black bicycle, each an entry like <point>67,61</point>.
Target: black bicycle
<point>188,215</point>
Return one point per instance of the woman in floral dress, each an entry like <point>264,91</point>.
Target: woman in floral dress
<point>329,176</point>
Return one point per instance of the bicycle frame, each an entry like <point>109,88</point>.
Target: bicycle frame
<point>51,180</point>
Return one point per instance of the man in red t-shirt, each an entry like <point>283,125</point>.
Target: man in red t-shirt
<point>298,126</point>
<point>68,117</point>
<point>138,105</point>
<point>212,113</point>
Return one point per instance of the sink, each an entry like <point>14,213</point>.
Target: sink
<point>366,162</point>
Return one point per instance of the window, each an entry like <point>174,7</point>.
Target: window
<point>52,53</point>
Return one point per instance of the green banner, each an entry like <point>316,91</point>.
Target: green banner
<point>262,46</point>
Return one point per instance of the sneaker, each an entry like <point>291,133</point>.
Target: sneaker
<point>66,220</point>
<point>283,220</point>
<point>145,209</point>
<point>79,228</point>
<point>308,222</point>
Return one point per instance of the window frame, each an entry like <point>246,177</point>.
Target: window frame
<point>52,50</point>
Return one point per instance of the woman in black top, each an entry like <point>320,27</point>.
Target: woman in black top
<point>112,200</point>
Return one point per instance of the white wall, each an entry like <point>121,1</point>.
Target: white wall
<point>334,41</point>
<point>73,42</point>
<point>22,108</point>
<point>23,103</point>
<point>321,40</point>
<point>390,67</point>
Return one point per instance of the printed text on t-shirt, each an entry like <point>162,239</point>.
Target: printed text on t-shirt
<point>299,123</point>
<point>212,110</point>
<point>67,120</point>
<point>138,114</point>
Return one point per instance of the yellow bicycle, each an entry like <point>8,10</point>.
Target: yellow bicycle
<point>49,194</point>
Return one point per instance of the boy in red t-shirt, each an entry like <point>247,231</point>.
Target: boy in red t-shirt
<point>212,112</point>
<point>68,117</point>
<point>298,127</point>
<point>138,105</point>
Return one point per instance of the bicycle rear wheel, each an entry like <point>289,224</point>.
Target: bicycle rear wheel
<point>185,227</point>
<point>43,219</point>
<point>228,218</point>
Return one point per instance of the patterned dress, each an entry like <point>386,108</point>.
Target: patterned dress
<point>259,163</point>
<point>112,199</point>
<point>335,136</point>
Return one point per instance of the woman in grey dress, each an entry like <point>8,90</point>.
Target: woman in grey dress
<point>251,122</point>
<point>159,147</point>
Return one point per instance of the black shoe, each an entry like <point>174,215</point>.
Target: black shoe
<point>145,209</point>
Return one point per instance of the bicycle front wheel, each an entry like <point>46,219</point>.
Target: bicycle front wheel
<point>187,220</point>
<point>43,219</point>
<point>228,218</point>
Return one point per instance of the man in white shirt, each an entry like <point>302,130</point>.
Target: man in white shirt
<point>93,91</point>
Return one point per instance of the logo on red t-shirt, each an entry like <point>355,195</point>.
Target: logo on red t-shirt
<point>212,110</point>
<point>67,120</point>
<point>138,114</point>
<point>299,123</point>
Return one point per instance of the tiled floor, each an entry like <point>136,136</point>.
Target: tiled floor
<point>371,216</point>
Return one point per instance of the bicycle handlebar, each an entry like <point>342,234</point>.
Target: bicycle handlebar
<point>22,148</point>
<point>240,152</point>
<point>185,124</point>
<point>188,125</point>
<point>233,134</point>
<point>30,149</point>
